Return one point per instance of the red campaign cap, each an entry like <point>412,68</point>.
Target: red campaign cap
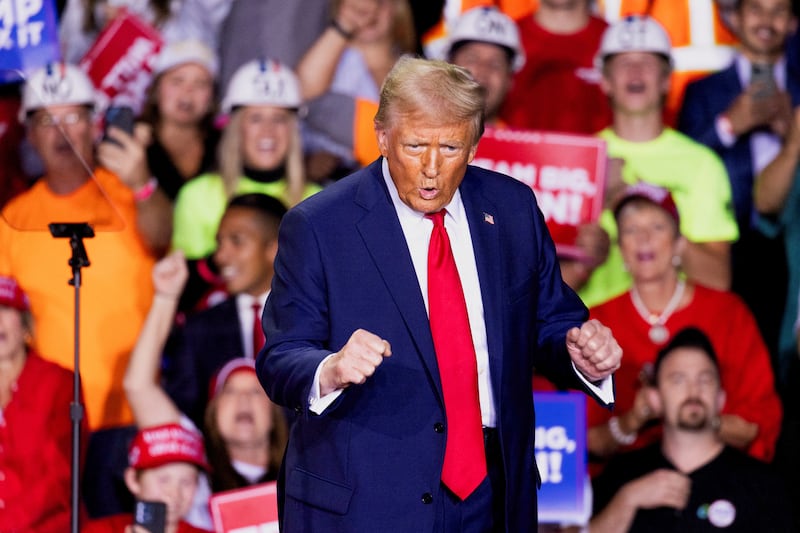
<point>169,443</point>
<point>11,295</point>
<point>652,193</point>
<point>238,364</point>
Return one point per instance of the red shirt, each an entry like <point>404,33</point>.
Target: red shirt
<point>118,523</point>
<point>746,371</point>
<point>36,450</point>
<point>558,88</point>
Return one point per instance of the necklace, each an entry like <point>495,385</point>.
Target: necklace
<point>658,333</point>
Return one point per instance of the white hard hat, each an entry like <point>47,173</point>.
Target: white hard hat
<point>179,53</point>
<point>56,84</point>
<point>635,33</point>
<point>487,25</point>
<point>263,82</point>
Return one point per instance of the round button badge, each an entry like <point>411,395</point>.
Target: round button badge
<point>721,513</point>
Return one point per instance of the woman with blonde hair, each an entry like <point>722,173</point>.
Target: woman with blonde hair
<point>260,152</point>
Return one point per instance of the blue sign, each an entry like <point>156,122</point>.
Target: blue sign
<point>561,457</point>
<point>28,37</point>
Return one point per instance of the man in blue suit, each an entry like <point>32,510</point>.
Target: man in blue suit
<point>247,242</point>
<point>350,347</point>
<point>743,112</point>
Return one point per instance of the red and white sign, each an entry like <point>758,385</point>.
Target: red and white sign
<point>249,510</point>
<point>566,172</point>
<point>120,62</point>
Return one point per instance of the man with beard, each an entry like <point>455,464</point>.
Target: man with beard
<point>690,481</point>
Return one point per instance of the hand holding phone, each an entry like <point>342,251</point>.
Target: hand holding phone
<point>150,516</point>
<point>120,117</point>
<point>763,80</point>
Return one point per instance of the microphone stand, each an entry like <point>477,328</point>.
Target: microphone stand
<point>75,232</point>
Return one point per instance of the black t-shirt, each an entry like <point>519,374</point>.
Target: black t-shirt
<point>168,175</point>
<point>732,493</point>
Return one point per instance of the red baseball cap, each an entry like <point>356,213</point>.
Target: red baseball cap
<point>239,364</point>
<point>169,443</point>
<point>12,295</point>
<point>652,193</point>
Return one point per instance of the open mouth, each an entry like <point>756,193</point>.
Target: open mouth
<point>428,193</point>
<point>244,418</point>
<point>645,256</point>
<point>227,272</point>
<point>635,87</point>
<point>266,145</point>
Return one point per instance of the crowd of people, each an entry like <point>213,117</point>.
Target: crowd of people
<point>170,229</point>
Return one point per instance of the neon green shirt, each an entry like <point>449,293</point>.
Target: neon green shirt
<point>699,185</point>
<point>201,203</point>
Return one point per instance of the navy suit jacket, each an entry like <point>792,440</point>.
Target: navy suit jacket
<point>208,340</point>
<point>365,463</point>
<point>703,101</point>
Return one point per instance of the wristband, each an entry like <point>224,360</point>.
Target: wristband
<point>626,439</point>
<point>348,35</point>
<point>146,191</point>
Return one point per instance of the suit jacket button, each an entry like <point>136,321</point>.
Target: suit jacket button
<point>438,427</point>
<point>298,410</point>
<point>427,498</point>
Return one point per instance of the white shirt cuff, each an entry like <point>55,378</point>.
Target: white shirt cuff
<point>603,390</point>
<point>317,404</point>
<point>724,133</point>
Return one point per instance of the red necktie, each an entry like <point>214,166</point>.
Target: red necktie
<point>258,331</point>
<point>464,455</point>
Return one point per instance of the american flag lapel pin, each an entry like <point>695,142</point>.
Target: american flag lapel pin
<point>489,219</point>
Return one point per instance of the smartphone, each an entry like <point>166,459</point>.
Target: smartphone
<point>762,76</point>
<point>120,117</point>
<point>151,516</point>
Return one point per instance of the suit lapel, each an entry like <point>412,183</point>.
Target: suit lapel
<point>385,242</point>
<point>484,220</point>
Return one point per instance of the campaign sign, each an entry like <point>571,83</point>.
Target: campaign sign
<point>28,37</point>
<point>561,456</point>
<point>566,172</point>
<point>120,62</point>
<point>250,510</point>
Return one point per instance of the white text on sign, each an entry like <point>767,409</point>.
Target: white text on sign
<point>561,191</point>
<point>17,30</point>
<point>551,445</point>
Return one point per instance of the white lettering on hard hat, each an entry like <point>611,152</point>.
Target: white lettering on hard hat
<point>632,32</point>
<point>56,86</point>
<point>491,25</point>
<point>274,88</point>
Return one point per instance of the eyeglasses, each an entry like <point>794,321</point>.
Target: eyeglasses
<point>46,120</point>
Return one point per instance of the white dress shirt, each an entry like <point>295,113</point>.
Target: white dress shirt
<point>244,305</point>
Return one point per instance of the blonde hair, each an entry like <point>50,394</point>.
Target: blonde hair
<point>435,88</point>
<point>231,160</point>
